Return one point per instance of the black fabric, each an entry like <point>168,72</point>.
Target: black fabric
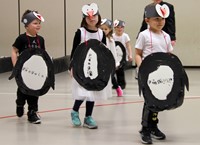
<point>149,118</point>
<point>32,101</point>
<point>22,42</point>
<point>5,64</point>
<point>89,108</point>
<point>61,64</point>
<point>176,97</point>
<point>77,40</point>
<point>114,82</point>
<point>123,49</point>
<point>105,67</point>
<point>77,105</point>
<point>121,80</point>
<point>24,56</point>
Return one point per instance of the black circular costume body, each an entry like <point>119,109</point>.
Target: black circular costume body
<point>93,64</point>
<point>162,80</point>
<point>121,53</point>
<point>34,72</point>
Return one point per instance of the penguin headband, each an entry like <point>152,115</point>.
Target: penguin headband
<point>157,10</point>
<point>90,10</point>
<point>119,23</point>
<point>106,22</point>
<point>28,18</point>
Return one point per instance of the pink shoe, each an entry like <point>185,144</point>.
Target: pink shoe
<point>119,92</point>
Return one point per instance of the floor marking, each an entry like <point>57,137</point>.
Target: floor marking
<point>98,105</point>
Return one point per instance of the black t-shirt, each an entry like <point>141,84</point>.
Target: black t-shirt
<point>23,42</point>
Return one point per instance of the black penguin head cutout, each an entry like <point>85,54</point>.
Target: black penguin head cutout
<point>162,81</point>
<point>119,23</point>
<point>107,22</point>
<point>28,18</point>
<point>157,10</point>
<point>34,72</point>
<point>90,10</point>
<point>93,64</point>
<point>121,53</point>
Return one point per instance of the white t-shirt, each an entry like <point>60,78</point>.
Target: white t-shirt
<point>124,38</point>
<point>150,42</point>
<point>111,46</point>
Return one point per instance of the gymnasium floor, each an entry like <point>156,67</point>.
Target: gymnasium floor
<point>118,118</point>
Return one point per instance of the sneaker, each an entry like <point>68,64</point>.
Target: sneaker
<point>90,123</point>
<point>119,91</point>
<point>145,136</point>
<point>75,118</point>
<point>20,111</point>
<point>157,134</point>
<point>33,117</point>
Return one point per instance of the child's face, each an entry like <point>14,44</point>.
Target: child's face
<point>106,29</point>
<point>34,27</point>
<point>92,21</point>
<point>119,30</point>
<point>156,23</point>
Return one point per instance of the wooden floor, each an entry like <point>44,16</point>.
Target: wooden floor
<point>118,118</point>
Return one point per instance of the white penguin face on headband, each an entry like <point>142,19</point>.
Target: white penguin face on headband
<point>38,16</point>
<point>163,10</point>
<point>90,10</point>
<point>161,82</point>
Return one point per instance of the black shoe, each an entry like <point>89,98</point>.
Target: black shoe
<point>157,134</point>
<point>20,111</point>
<point>33,117</point>
<point>145,136</point>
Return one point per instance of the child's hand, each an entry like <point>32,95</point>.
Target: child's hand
<point>71,72</point>
<point>173,43</point>
<point>130,58</point>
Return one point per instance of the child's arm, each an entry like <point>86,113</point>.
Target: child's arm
<point>14,53</point>
<point>128,46</point>
<point>138,57</point>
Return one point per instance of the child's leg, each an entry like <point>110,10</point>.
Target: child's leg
<point>117,87</point>
<point>89,121</point>
<point>77,105</point>
<point>149,126</point>
<point>20,101</point>
<point>121,77</point>
<point>89,108</point>
<point>114,82</point>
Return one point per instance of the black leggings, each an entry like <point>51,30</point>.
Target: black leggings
<point>32,101</point>
<point>89,107</point>
<point>149,118</point>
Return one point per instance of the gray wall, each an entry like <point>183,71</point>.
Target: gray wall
<point>59,41</point>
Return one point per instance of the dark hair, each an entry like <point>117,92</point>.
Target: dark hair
<point>110,34</point>
<point>84,23</point>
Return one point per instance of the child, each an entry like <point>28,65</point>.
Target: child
<point>122,37</point>
<point>170,26</point>
<point>29,39</point>
<point>150,41</point>
<point>89,30</point>
<point>106,26</point>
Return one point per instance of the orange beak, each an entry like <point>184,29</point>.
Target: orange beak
<point>90,14</point>
<point>163,11</point>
